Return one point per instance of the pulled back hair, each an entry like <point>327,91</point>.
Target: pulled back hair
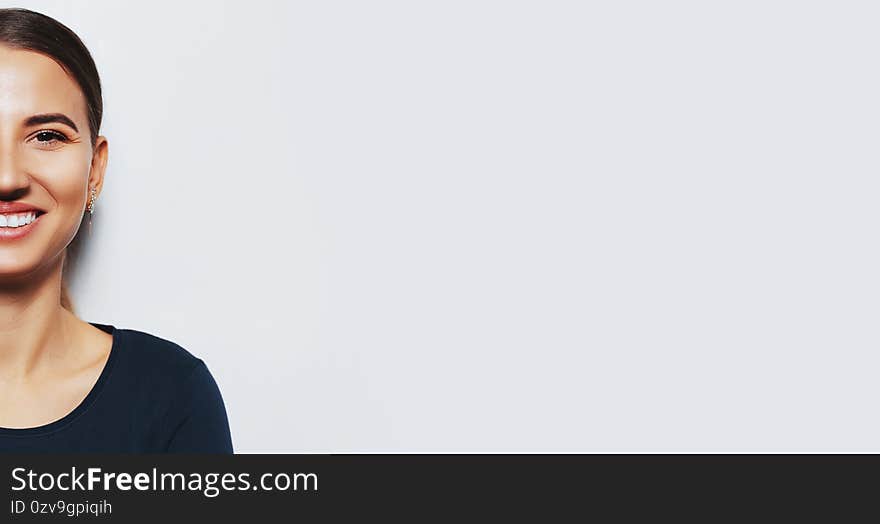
<point>31,31</point>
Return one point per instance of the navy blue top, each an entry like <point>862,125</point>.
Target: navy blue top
<point>152,396</point>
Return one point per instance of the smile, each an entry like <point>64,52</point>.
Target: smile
<point>17,219</point>
<point>15,226</point>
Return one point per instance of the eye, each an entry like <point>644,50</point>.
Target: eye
<point>50,138</point>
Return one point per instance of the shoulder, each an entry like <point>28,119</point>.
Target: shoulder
<point>160,368</point>
<point>157,370</point>
<point>178,385</point>
<point>154,354</point>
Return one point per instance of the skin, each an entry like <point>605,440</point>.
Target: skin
<point>49,358</point>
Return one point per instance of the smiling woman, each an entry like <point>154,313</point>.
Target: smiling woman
<point>68,385</point>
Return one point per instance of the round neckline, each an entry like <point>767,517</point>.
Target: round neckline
<point>86,403</point>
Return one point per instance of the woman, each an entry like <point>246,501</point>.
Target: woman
<point>67,385</point>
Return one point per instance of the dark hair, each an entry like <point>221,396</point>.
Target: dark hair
<point>30,31</point>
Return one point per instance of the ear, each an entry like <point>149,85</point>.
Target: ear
<point>99,164</point>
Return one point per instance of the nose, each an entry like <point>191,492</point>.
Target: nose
<point>14,181</point>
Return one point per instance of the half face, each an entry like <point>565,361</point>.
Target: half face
<point>46,162</point>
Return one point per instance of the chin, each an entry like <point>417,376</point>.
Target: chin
<point>15,266</point>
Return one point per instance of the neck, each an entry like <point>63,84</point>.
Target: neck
<point>34,327</point>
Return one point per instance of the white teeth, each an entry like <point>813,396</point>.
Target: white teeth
<point>17,219</point>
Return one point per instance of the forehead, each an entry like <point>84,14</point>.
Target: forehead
<point>32,83</point>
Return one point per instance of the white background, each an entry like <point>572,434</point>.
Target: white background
<point>499,226</point>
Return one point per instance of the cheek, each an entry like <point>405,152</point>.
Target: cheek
<point>69,191</point>
<point>63,175</point>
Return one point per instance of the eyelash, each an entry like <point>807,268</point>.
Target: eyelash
<point>56,136</point>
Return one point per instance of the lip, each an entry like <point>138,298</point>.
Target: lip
<point>15,233</point>
<point>19,207</point>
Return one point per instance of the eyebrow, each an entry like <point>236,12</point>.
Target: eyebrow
<point>48,118</point>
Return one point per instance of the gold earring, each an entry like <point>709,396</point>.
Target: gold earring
<point>92,196</point>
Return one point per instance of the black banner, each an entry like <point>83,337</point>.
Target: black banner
<point>145,488</point>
